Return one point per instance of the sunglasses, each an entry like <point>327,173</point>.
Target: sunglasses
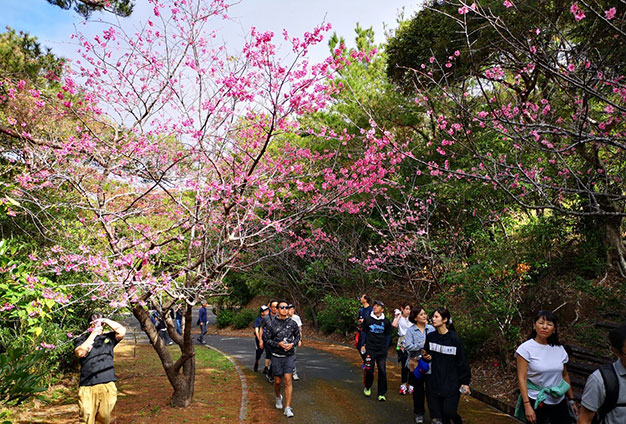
<point>283,307</point>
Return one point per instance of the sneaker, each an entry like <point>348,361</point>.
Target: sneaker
<point>279,402</point>
<point>288,412</point>
<point>403,389</point>
<point>367,392</point>
<point>419,419</point>
<point>265,370</point>
<point>436,421</point>
<point>411,389</point>
<point>296,377</point>
<point>382,398</point>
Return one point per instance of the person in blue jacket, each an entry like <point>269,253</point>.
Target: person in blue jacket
<point>414,341</point>
<point>377,330</point>
<point>366,310</point>
<point>202,321</point>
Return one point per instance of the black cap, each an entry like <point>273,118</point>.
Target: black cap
<point>379,303</point>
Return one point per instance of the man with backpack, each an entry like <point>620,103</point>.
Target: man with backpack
<point>604,398</point>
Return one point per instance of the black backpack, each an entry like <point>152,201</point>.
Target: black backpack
<point>611,385</point>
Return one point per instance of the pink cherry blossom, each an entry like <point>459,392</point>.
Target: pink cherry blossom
<point>578,13</point>
<point>610,14</point>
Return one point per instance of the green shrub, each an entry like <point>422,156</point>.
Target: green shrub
<point>473,337</point>
<point>18,382</point>
<point>339,314</point>
<point>224,318</point>
<point>243,318</point>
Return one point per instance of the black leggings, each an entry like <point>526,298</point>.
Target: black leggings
<point>259,351</point>
<point>418,394</point>
<point>381,363</point>
<point>444,408</point>
<point>552,414</point>
<point>403,355</point>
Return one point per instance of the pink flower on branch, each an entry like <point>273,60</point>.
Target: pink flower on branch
<point>610,14</point>
<point>578,13</point>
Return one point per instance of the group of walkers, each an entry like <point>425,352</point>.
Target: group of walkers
<point>278,332</point>
<point>433,363</point>
<point>433,366</point>
<point>432,360</point>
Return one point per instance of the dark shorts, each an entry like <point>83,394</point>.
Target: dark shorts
<point>283,365</point>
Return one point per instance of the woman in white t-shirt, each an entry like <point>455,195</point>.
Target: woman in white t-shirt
<point>402,323</point>
<point>541,371</point>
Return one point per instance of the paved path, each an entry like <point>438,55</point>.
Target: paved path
<point>331,389</point>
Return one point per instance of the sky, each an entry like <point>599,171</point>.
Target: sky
<point>53,26</point>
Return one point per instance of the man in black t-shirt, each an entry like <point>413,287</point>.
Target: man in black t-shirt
<point>97,393</point>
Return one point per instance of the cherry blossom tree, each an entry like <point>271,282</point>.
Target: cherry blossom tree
<point>528,98</point>
<point>180,157</point>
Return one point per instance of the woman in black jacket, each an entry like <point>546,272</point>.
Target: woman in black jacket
<point>450,373</point>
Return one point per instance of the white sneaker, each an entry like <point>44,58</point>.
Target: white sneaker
<point>296,377</point>
<point>279,402</point>
<point>419,419</point>
<point>288,412</point>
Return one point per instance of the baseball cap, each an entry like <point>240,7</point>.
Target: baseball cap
<point>263,308</point>
<point>379,303</point>
<point>290,306</point>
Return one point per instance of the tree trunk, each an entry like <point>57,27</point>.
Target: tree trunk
<point>614,242</point>
<point>312,305</point>
<point>182,373</point>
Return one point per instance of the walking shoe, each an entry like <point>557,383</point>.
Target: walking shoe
<point>382,398</point>
<point>279,402</point>
<point>436,421</point>
<point>411,389</point>
<point>270,378</point>
<point>265,370</point>
<point>288,412</point>
<point>419,419</point>
<point>295,377</point>
<point>367,392</point>
<point>403,389</point>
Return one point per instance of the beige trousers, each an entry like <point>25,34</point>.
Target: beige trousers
<point>96,403</point>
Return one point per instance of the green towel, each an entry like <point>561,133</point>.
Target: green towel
<point>554,391</point>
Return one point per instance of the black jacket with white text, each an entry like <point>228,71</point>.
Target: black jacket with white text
<point>449,366</point>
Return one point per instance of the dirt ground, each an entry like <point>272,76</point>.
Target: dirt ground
<point>144,392</point>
